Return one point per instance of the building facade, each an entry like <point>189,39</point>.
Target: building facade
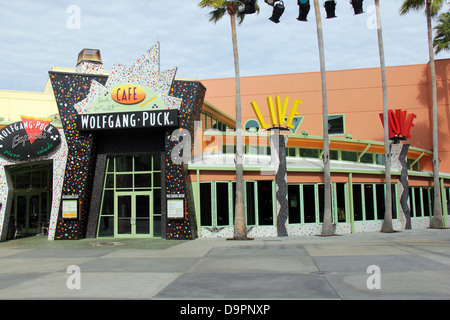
<point>139,153</point>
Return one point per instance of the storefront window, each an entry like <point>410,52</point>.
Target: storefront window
<point>369,201</point>
<point>341,205</point>
<point>217,206</point>
<point>124,163</point>
<point>265,203</point>
<point>223,212</point>
<point>357,202</point>
<point>380,191</point>
<point>309,153</point>
<point>205,204</point>
<point>349,156</point>
<point>294,204</point>
<point>336,124</point>
<point>131,203</point>
<point>250,202</point>
<point>305,201</point>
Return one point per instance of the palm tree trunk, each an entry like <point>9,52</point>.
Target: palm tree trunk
<point>437,220</point>
<point>387,222</point>
<point>327,226</point>
<point>240,227</point>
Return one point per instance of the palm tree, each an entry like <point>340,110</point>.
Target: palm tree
<point>327,226</point>
<point>442,39</point>
<point>220,8</point>
<point>432,8</point>
<point>387,222</point>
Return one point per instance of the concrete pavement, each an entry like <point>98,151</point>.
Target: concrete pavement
<point>412,264</point>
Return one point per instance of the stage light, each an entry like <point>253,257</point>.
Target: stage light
<point>278,9</point>
<point>304,7</point>
<point>249,6</point>
<point>330,8</point>
<point>357,6</point>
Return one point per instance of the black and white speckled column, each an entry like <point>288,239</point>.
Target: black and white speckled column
<point>278,149</point>
<point>399,159</point>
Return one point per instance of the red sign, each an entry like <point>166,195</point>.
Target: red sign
<point>400,123</point>
<point>34,126</point>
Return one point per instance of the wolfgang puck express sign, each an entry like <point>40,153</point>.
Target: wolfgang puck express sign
<point>30,138</point>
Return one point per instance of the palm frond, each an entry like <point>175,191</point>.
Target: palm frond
<point>412,5</point>
<point>240,16</point>
<point>442,40</point>
<point>418,5</point>
<point>223,6</point>
<point>217,14</point>
<point>436,5</point>
<point>212,3</point>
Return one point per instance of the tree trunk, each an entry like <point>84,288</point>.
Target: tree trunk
<point>240,227</point>
<point>387,222</point>
<point>437,220</point>
<point>327,226</point>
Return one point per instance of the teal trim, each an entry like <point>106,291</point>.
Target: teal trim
<point>352,210</point>
<point>362,153</point>
<point>443,201</point>
<point>196,195</point>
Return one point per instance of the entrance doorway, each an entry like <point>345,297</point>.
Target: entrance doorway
<point>30,209</point>
<point>131,205</point>
<point>134,214</point>
<point>30,213</point>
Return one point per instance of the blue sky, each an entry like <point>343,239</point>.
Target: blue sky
<point>37,35</point>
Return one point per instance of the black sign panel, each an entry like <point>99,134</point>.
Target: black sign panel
<point>128,120</point>
<point>18,144</point>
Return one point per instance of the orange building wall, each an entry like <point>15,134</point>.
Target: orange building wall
<point>355,93</point>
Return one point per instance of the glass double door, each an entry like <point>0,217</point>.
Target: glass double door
<point>30,212</point>
<point>134,214</point>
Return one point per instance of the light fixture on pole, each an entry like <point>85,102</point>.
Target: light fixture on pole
<point>330,8</point>
<point>357,6</point>
<point>304,7</point>
<point>249,6</point>
<point>278,9</point>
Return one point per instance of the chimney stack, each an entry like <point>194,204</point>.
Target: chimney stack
<point>89,61</point>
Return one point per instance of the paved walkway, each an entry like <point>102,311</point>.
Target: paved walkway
<point>403,265</point>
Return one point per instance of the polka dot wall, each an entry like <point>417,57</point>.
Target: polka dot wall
<point>59,157</point>
<point>192,94</point>
<point>70,89</point>
<point>75,94</point>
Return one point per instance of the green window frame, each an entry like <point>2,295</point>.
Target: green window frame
<point>336,124</point>
<point>305,202</point>
<point>126,173</point>
<point>217,204</point>
<point>421,201</point>
<point>369,201</point>
<point>211,123</point>
<point>220,210</point>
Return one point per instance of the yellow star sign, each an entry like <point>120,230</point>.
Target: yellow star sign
<point>277,118</point>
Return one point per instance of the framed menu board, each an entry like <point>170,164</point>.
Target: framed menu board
<point>175,206</point>
<point>70,206</point>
